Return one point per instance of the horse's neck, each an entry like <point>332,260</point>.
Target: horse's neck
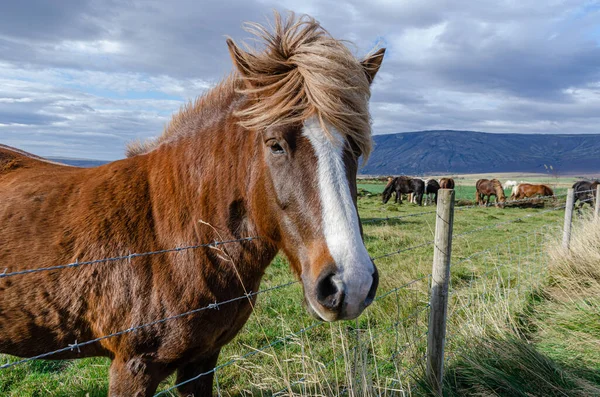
<point>206,184</point>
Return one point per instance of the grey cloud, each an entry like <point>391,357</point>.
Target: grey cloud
<point>48,21</point>
<point>494,66</point>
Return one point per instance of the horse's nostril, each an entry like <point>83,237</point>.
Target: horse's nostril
<point>373,289</point>
<point>329,293</point>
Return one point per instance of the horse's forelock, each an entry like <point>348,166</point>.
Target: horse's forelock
<point>304,72</point>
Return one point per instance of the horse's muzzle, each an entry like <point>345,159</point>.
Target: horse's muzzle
<point>334,301</point>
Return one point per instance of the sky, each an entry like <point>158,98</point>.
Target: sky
<point>82,78</point>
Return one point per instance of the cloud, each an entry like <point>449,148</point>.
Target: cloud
<point>81,78</point>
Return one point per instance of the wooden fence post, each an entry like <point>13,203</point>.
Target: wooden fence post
<point>440,277</point>
<point>597,208</point>
<point>568,219</point>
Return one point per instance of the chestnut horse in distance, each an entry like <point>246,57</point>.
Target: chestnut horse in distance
<point>446,183</point>
<point>486,188</point>
<point>272,151</point>
<point>526,190</point>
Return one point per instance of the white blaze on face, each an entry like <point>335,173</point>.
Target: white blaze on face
<point>340,221</point>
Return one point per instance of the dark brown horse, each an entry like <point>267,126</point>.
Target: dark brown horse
<point>486,188</point>
<point>272,151</point>
<point>585,192</point>
<point>431,191</point>
<point>404,185</point>
<point>526,190</point>
<point>446,183</point>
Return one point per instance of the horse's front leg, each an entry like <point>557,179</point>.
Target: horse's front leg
<point>134,377</point>
<point>201,386</point>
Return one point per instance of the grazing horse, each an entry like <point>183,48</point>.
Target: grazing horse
<point>514,191</point>
<point>486,188</point>
<point>526,190</point>
<point>585,192</point>
<point>431,191</point>
<point>412,197</point>
<point>446,183</point>
<point>404,185</point>
<point>272,151</point>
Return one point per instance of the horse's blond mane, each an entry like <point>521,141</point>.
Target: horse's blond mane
<point>301,72</point>
<point>498,187</point>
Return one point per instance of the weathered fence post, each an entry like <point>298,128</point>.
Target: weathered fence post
<point>568,219</point>
<point>597,208</point>
<point>440,277</point>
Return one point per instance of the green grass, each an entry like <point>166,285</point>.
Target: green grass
<point>491,293</point>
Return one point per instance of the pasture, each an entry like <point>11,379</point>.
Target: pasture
<point>503,300</point>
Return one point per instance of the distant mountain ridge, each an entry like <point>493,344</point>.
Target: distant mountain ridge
<point>77,162</point>
<point>468,152</point>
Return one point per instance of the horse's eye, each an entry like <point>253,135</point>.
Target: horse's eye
<point>276,148</point>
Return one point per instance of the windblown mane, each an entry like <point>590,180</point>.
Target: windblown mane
<point>498,187</point>
<point>301,72</point>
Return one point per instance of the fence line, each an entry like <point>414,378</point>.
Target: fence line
<point>437,324</point>
<point>415,312</point>
<point>124,257</point>
<point>303,330</point>
<point>212,306</point>
<point>378,334</point>
<point>482,277</point>
<point>214,244</point>
<point>288,337</point>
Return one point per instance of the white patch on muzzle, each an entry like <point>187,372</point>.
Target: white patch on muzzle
<point>340,221</point>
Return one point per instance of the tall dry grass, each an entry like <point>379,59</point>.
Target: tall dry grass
<point>545,345</point>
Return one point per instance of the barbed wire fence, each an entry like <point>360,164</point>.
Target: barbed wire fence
<point>385,352</point>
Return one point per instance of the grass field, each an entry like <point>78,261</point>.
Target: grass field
<point>505,314</point>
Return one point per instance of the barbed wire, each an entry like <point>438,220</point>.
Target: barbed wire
<point>212,306</point>
<point>495,268</point>
<point>252,294</point>
<point>374,336</point>
<point>414,313</point>
<point>213,244</point>
<point>124,257</point>
<point>265,347</point>
<point>414,247</point>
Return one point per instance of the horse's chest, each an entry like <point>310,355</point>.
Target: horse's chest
<point>209,331</point>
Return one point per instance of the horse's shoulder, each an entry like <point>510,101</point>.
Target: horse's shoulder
<point>12,159</point>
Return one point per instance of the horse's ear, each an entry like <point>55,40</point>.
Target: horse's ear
<point>241,59</point>
<point>372,63</point>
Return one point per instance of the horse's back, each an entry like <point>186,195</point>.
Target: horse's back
<point>55,215</point>
<point>12,159</point>
<point>582,185</point>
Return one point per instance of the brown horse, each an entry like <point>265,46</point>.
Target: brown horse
<point>486,188</point>
<point>526,190</point>
<point>446,183</point>
<point>272,151</point>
